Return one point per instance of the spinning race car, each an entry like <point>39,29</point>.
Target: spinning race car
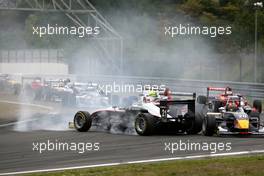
<point>155,111</point>
<point>229,114</point>
<point>89,95</point>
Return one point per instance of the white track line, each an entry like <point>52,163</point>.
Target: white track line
<point>15,123</point>
<point>24,104</point>
<point>27,104</point>
<point>137,162</point>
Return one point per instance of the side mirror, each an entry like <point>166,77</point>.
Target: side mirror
<point>201,99</point>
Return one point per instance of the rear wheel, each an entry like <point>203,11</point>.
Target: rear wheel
<point>209,125</point>
<point>145,124</point>
<point>196,125</point>
<point>254,114</point>
<point>257,104</point>
<point>82,121</point>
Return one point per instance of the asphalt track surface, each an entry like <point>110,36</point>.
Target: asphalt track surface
<point>17,154</point>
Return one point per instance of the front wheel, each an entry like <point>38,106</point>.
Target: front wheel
<point>209,125</point>
<point>82,121</point>
<point>145,124</point>
<point>257,104</point>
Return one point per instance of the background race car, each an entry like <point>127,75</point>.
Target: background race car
<point>9,84</point>
<point>89,95</point>
<point>229,114</point>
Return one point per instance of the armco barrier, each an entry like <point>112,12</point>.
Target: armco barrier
<point>254,90</point>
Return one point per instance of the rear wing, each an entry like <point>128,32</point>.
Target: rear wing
<point>3,75</point>
<point>183,94</point>
<point>227,91</point>
<point>218,89</point>
<point>86,84</point>
<point>164,105</point>
<point>31,78</point>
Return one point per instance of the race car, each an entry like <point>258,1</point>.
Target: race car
<point>153,113</point>
<point>229,114</point>
<point>89,95</point>
<point>58,90</point>
<point>33,88</point>
<point>3,79</point>
<point>9,84</point>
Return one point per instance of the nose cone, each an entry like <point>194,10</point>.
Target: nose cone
<point>242,124</point>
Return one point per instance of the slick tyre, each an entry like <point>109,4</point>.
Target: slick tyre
<point>82,121</point>
<point>209,125</point>
<point>257,104</point>
<point>145,124</point>
<point>196,125</point>
<point>254,114</point>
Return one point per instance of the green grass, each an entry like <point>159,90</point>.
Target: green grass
<point>242,166</point>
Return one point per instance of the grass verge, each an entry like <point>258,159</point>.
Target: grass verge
<point>242,166</point>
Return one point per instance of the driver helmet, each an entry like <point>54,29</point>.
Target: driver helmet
<point>231,106</point>
<point>152,95</point>
<point>228,91</point>
<point>168,93</point>
<point>61,84</point>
